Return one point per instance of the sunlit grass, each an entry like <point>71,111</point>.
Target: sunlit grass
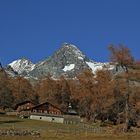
<point>55,131</point>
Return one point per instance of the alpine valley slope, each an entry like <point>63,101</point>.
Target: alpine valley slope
<point>68,61</point>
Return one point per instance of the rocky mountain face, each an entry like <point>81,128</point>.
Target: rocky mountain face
<point>22,66</point>
<point>9,70</point>
<point>68,61</point>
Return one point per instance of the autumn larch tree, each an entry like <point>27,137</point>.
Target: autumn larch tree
<point>96,93</point>
<point>21,89</point>
<point>6,96</point>
<point>121,56</point>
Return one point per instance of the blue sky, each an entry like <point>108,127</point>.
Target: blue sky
<point>36,28</point>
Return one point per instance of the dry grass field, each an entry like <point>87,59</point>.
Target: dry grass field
<point>54,131</point>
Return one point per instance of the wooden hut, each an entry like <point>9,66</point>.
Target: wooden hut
<point>51,113</point>
<point>23,109</point>
<point>47,112</point>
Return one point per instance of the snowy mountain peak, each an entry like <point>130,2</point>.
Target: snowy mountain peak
<point>72,49</point>
<point>68,45</point>
<point>68,61</point>
<point>22,65</point>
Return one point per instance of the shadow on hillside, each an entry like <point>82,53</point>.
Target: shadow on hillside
<point>11,121</point>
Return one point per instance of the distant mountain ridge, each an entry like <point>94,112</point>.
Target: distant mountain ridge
<point>22,66</point>
<point>68,61</point>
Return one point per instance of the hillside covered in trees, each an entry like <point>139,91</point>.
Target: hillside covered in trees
<point>102,96</point>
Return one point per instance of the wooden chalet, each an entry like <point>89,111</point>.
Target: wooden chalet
<point>23,106</point>
<point>49,112</point>
<point>47,108</point>
<point>23,109</point>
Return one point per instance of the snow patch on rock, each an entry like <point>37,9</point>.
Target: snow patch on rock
<point>95,66</point>
<point>81,58</point>
<point>22,65</point>
<point>99,66</point>
<point>69,67</point>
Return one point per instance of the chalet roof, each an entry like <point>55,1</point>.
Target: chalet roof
<point>71,111</point>
<point>48,103</point>
<point>24,102</point>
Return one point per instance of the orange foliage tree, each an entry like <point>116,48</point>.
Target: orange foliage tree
<point>95,93</point>
<point>121,56</point>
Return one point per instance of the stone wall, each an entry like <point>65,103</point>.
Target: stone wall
<point>56,119</point>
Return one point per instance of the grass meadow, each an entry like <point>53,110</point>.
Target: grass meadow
<point>55,131</point>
